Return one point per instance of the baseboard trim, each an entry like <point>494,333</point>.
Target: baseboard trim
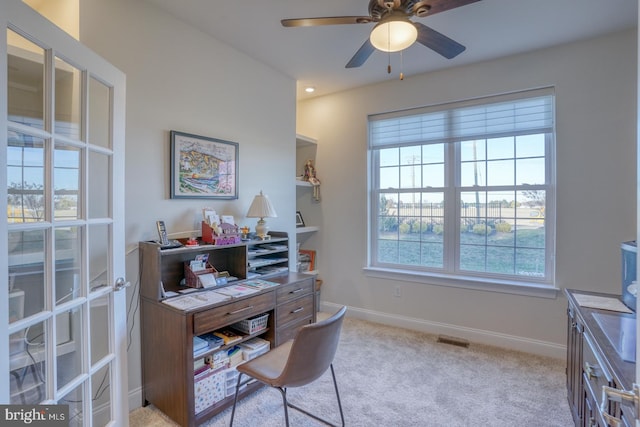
<point>135,398</point>
<point>511,342</point>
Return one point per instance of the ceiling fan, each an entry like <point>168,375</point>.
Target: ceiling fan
<point>394,31</point>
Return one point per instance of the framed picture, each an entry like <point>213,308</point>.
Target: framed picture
<point>306,260</point>
<point>203,167</point>
<point>299,220</point>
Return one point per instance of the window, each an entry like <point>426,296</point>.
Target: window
<point>465,191</point>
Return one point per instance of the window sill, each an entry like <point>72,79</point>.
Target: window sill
<point>490,285</point>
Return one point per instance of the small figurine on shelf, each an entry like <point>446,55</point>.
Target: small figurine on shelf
<point>310,175</point>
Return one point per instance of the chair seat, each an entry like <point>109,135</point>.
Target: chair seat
<point>268,367</point>
<point>296,363</point>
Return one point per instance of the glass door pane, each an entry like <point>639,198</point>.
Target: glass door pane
<point>99,113</point>
<point>27,273</point>
<point>25,89</point>
<point>99,185</point>
<point>68,99</point>
<point>68,253</point>
<point>66,182</point>
<point>25,178</point>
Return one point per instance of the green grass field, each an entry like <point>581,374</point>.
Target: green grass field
<point>518,252</point>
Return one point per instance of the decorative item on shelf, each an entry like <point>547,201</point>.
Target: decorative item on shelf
<point>310,176</point>
<point>306,260</point>
<point>261,208</point>
<point>299,220</point>
<point>217,231</point>
<point>191,241</point>
<point>199,273</point>
<point>245,232</point>
<point>220,234</point>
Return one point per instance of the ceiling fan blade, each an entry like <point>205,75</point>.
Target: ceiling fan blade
<point>361,55</point>
<point>431,7</point>
<point>329,20</point>
<point>438,42</point>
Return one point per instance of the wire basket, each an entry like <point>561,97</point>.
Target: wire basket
<point>252,325</point>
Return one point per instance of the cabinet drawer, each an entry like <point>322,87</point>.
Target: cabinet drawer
<point>289,332</point>
<point>294,310</point>
<point>294,290</point>
<point>595,375</point>
<point>207,321</point>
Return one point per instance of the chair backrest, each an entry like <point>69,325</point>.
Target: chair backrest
<point>312,351</point>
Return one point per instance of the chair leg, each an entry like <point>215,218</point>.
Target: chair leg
<point>335,385</point>
<point>283,391</point>
<point>235,399</point>
<point>286,404</point>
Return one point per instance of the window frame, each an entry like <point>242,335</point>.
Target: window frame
<point>450,274</point>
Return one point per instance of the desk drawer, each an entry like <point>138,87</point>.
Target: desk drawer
<point>207,321</point>
<point>294,290</point>
<point>294,310</point>
<point>594,373</point>
<point>289,332</point>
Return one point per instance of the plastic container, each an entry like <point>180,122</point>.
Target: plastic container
<point>252,325</point>
<point>629,251</point>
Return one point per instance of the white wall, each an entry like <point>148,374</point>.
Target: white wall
<point>180,79</point>
<point>595,84</point>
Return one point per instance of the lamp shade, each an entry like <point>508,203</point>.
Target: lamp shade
<point>261,207</point>
<point>393,34</point>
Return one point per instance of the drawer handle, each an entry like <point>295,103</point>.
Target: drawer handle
<point>297,290</point>
<point>240,310</point>
<point>590,371</point>
<point>297,310</point>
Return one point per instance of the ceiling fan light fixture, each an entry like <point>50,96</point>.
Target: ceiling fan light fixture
<point>393,35</point>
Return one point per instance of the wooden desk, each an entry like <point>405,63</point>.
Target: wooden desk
<point>167,332</point>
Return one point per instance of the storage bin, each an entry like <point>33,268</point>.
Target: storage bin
<point>192,279</point>
<point>254,348</point>
<point>252,325</point>
<point>232,380</point>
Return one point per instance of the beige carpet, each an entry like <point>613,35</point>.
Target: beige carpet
<point>395,377</point>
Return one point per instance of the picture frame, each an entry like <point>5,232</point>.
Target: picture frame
<point>306,260</point>
<point>299,220</point>
<point>203,167</point>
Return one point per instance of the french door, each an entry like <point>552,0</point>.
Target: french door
<point>62,250</point>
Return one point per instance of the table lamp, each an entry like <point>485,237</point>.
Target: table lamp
<point>261,208</point>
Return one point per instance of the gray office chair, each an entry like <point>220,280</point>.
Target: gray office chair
<point>297,362</point>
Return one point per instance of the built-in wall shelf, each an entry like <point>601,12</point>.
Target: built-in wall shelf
<point>307,203</point>
<point>309,229</point>
<point>302,140</point>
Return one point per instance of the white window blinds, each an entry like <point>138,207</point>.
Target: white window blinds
<point>512,114</point>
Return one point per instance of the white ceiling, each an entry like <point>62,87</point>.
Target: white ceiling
<point>316,56</point>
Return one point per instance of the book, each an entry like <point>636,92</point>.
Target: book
<point>195,300</point>
<point>212,341</point>
<point>228,336</point>
<point>199,344</point>
<point>237,290</point>
<point>260,284</point>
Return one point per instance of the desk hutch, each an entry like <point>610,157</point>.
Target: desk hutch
<point>168,333</point>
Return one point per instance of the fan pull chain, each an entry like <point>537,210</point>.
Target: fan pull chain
<point>401,66</point>
<point>389,50</point>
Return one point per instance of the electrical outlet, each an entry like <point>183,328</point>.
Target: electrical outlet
<point>397,291</point>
